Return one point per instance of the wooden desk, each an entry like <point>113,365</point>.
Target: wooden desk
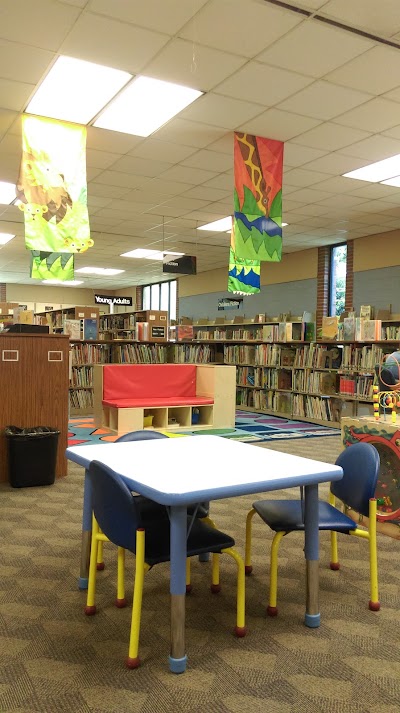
<point>34,388</point>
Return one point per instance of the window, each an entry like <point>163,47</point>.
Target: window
<point>161,295</point>
<point>337,285</point>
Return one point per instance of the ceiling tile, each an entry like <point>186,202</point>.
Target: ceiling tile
<point>309,195</point>
<point>206,25</point>
<point>375,191</point>
<point>189,133</point>
<point>23,64</point>
<point>7,118</point>
<point>99,159</point>
<point>14,95</point>
<point>301,177</point>
<point>376,115</point>
<point>262,84</point>
<point>335,163</point>
<point>323,100</point>
<point>224,144</point>
<point>279,125</point>
<point>9,167</point>
<point>161,15</point>
<point>221,111</point>
<point>116,178</point>
<point>369,72</point>
<point>312,49</point>
<point>44,23</point>
<point>330,136</point>
<point>210,160</point>
<point>207,193</point>
<point>111,141</point>
<point>375,148</point>
<point>140,166</point>
<point>209,67</point>
<point>187,175</point>
<point>112,43</point>
<point>155,150</point>
<point>223,181</point>
<point>107,191</point>
<point>163,185</point>
<point>381,18</point>
<point>295,155</point>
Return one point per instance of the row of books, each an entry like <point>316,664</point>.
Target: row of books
<point>90,354</point>
<point>361,358</point>
<point>192,353</point>
<point>139,354</point>
<point>264,400</point>
<point>78,329</point>
<point>82,376</point>
<point>313,407</point>
<point>359,386</point>
<point>81,399</point>
<point>314,382</point>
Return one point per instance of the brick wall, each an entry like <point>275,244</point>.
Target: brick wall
<point>349,302</point>
<point>322,284</point>
<point>3,292</point>
<point>139,298</point>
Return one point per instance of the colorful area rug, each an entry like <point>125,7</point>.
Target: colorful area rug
<point>249,427</point>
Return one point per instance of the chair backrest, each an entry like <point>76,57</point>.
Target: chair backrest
<point>360,463</point>
<point>114,506</point>
<point>140,436</point>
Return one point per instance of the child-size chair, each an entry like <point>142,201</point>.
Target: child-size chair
<point>116,512</point>
<point>360,464</point>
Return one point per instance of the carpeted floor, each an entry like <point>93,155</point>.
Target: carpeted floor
<point>53,659</point>
<point>249,427</point>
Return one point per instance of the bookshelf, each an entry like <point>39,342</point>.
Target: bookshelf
<point>142,325</point>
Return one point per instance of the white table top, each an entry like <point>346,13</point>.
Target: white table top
<point>179,471</point>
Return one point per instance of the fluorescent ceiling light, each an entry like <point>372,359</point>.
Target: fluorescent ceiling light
<point>99,270</point>
<point>284,224</point>
<point>66,283</point>
<point>75,90</point>
<point>5,238</point>
<point>150,254</point>
<point>145,105</point>
<point>377,172</point>
<point>218,226</point>
<point>392,181</point>
<point>7,192</point>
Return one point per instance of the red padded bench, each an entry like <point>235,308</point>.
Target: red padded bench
<point>129,397</point>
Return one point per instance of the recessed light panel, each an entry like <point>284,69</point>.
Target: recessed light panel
<point>75,90</point>
<point>7,192</point>
<point>145,105</point>
<point>377,172</point>
<point>392,181</point>
<point>218,226</point>
<point>63,283</point>
<point>141,253</point>
<point>5,238</point>
<point>99,271</point>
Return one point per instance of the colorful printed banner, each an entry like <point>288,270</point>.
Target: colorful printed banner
<point>51,266</point>
<point>52,186</point>
<point>257,221</point>
<point>244,275</point>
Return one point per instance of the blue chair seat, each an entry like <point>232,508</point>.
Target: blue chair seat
<point>288,516</point>
<point>202,538</point>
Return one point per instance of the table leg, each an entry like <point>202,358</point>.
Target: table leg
<point>178,520</point>
<point>86,533</point>
<point>312,616</point>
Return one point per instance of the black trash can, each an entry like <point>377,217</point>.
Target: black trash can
<point>32,455</point>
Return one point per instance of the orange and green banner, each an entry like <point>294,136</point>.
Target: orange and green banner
<point>244,275</point>
<point>52,191</point>
<point>257,220</point>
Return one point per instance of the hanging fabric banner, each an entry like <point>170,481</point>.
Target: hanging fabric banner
<point>244,275</point>
<point>51,266</point>
<point>52,187</point>
<point>258,198</point>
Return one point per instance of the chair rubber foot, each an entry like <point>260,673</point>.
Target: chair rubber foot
<point>272,611</point>
<point>189,588</point>
<point>132,662</point>
<point>335,566</point>
<point>248,569</point>
<point>89,611</point>
<point>215,588</point>
<point>240,631</point>
<point>120,603</point>
<point>374,606</point>
<point>100,566</point>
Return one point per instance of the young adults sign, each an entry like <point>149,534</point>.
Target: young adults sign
<point>113,300</point>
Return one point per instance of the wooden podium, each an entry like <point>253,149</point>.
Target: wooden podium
<point>34,388</point>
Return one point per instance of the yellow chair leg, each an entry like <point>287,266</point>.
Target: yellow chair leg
<point>240,628</point>
<point>120,601</point>
<point>100,558</point>
<point>248,568</point>
<point>133,660</point>
<point>334,563</point>
<point>374,603</point>
<point>188,582</point>
<point>90,608</point>
<point>272,609</point>
<point>215,585</point>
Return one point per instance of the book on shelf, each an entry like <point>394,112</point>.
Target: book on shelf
<point>330,328</point>
<point>72,327</point>
<point>370,330</point>
<point>282,332</point>
<point>328,383</point>
<point>366,312</point>
<point>184,331</point>
<point>349,329</point>
<point>309,331</point>
<point>90,329</point>
<point>269,332</point>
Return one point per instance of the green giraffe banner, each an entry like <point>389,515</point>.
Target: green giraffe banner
<point>244,275</point>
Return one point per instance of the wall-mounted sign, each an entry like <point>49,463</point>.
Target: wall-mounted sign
<point>184,265</point>
<point>228,303</point>
<point>158,333</point>
<point>106,300</point>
